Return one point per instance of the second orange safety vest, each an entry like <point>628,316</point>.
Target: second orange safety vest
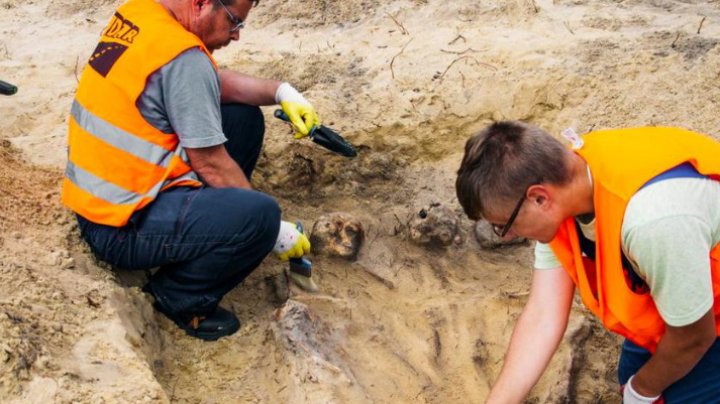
<point>117,161</point>
<point>621,162</point>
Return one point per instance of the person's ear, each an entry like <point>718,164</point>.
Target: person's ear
<point>198,5</point>
<point>540,195</point>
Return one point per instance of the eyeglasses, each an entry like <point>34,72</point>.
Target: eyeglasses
<point>237,24</point>
<point>502,230</point>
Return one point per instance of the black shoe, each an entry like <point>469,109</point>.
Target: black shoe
<point>208,327</point>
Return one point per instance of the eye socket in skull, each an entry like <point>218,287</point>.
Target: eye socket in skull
<point>337,234</point>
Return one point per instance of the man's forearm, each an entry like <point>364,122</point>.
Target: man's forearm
<point>536,335</point>
<point>227,177</point>
<point>678,351</point>
<point>215,166</point>
<point>241,88</point>
<point>532,345</point>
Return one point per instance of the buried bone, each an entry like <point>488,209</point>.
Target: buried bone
<point>434,225</point>
<point>337,235</point>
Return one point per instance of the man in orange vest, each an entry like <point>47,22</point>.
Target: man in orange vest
<point>631,219</point>
<point>161,148</point>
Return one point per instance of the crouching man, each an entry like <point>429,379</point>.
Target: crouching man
<point>161,148</point>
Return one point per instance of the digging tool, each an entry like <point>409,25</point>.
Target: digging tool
<point>301,270</point>
<point>325,137</point>
<point>7,88</point>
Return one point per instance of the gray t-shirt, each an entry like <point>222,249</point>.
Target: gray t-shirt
<point>183,97</point>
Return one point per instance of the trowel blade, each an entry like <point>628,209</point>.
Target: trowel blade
<point>332,141</point>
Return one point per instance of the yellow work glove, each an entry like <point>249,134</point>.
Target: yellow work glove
<point>301,113</point>
<point>291,243</point>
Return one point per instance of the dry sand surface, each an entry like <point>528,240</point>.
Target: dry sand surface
<point>407,81</point>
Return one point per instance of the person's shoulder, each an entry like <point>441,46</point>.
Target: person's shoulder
<point>191,57</point>
<point>192,65</point>
<point>676,197</point>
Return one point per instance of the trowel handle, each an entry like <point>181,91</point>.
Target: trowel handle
<point>302,265</point>
<point>325,137</point>
<point>7,88</point>
<point>281,115</point>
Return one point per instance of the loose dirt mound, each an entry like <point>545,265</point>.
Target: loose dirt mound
<point>28,199</point>
<point>405,81</point>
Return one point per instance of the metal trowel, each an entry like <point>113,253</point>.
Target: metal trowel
<point>325,137</point>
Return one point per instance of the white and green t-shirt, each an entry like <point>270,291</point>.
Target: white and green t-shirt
<point>668,230</point>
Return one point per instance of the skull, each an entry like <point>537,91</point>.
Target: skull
<point>337,235</point>
<point>434,225</point>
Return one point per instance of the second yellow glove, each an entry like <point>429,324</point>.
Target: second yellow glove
<point>291,243</point>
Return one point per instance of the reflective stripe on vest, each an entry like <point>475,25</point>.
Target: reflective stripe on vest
<point>119,138</point>
<point>98,187</point>
<point>111,193</point>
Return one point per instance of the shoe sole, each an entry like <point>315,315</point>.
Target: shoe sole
<point>212,336</point>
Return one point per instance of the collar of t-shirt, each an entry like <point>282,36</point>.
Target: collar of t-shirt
<point>587,222</point>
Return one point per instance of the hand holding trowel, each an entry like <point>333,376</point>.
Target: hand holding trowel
<point>325,137</point>
<point>301,270</point>
<point>301,114</point>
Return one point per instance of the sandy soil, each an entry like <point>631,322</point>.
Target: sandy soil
<point>407,81</point>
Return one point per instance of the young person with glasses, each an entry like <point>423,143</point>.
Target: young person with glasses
<point>629,218</point>
<point>162,147</point>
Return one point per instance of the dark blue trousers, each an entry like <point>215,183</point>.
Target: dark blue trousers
<point>205,241</point>
<point>700,386</point>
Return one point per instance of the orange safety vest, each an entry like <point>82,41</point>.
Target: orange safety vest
<point>622,161</point>
<point>117,161</point>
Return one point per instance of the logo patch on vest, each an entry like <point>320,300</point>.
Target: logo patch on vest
<point>105,56</point>
<point>121,29</point>
<point>122,32</point>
